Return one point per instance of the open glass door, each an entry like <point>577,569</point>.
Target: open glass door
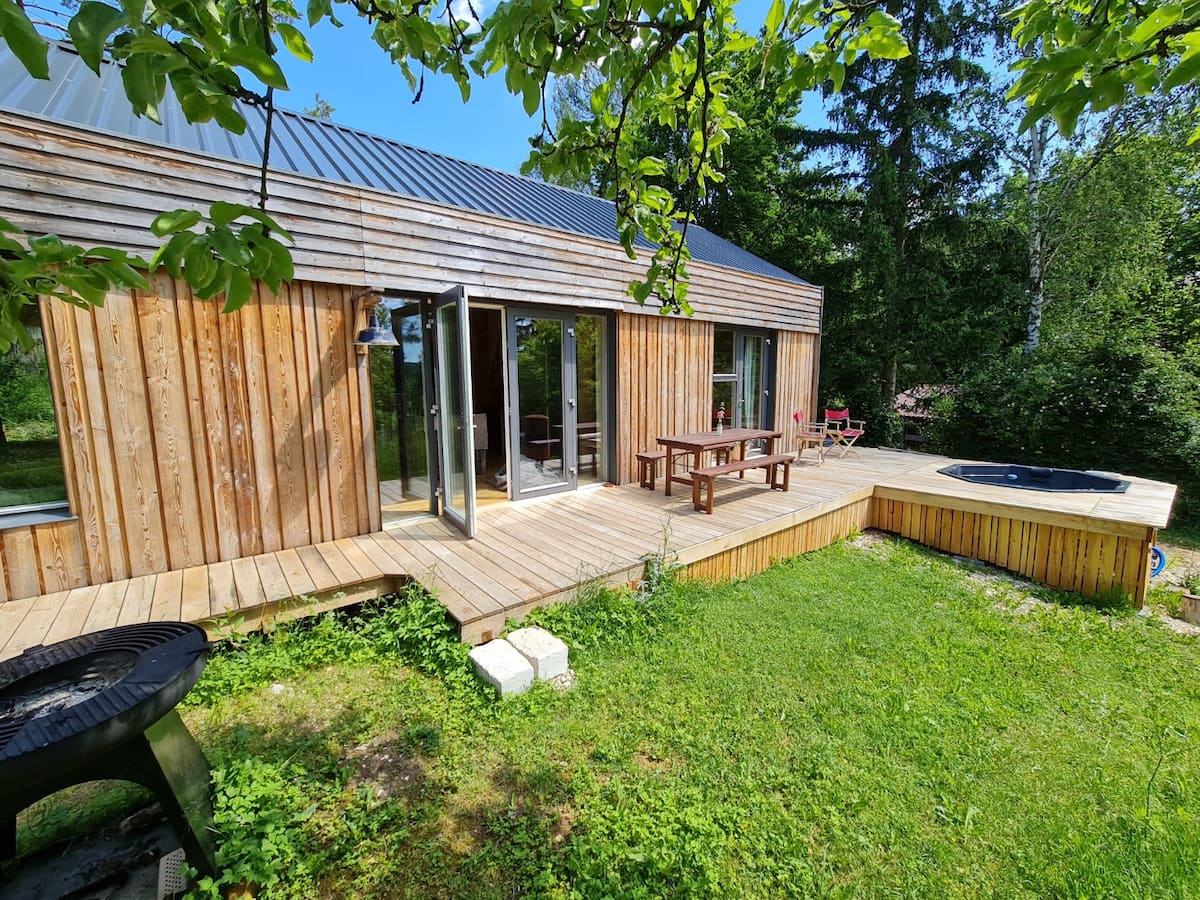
<point>456,445</point>
<point>542,406</point>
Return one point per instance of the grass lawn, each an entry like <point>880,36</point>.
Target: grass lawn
<point>859,721</point>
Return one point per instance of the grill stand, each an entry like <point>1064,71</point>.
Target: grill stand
<point>165,759</point>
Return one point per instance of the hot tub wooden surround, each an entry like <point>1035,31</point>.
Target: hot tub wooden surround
<point>540,551</point>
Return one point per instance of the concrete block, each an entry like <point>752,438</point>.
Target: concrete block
<point>546,653</point>
<point>497,663</point>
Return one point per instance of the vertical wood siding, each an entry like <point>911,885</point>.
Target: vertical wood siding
<point>193,437</point>
<point>664,382</point>
<point>1089,562</point>
<point>797,367</point>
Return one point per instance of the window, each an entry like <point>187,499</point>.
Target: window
<point>743,372</point>
<point>31,470</point>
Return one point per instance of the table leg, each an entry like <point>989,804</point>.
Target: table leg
<point>742,456</point>
<point>670,470</point>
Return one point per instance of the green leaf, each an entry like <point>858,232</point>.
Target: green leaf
<point>225,242</point>
<point>222,213</point>
<point>22,38</point>
<point>257,62</point>
<point>319,9</point>
<point>1163,17</point>
<point>198,265</point>
<point>90,29</point>
<point>531,96</point>
<point>174,221</point>
<point>774,18</point>
<point>171,253</point>
<point>282,267</point>
<point>1188,70</point>
<point>238,291</point>
<point>295,41</point>
<point>1066,114</point>
<point>1072,57</point>
<point>140,86</point>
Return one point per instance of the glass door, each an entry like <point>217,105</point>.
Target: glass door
<point>399,388</point>
<point>456,445</point>
<point>542,405</point>
<point>743,371</point>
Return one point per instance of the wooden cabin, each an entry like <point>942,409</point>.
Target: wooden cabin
<point>188,437</point>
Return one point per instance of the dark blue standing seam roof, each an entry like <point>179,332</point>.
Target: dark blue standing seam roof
<point>332,152</point>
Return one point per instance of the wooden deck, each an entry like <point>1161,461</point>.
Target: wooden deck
<point>540,551</point>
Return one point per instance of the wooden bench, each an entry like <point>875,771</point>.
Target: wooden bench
<point>647,463</point>
<point>774,465</point>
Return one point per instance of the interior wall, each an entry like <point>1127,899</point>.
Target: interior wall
<point>487,374</point>
<point>190,436</point>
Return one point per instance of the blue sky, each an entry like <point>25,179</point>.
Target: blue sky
<point>370,93</point>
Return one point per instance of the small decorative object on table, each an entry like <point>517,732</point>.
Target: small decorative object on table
<point>721,419</point>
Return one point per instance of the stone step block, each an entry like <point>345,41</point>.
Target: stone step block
<point>546,653</point>
<point>501,666</point>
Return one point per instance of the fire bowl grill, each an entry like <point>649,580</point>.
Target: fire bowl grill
<point>102,706</point>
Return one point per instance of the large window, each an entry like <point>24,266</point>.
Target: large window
<point>31,471</point>
<point>743,372</point>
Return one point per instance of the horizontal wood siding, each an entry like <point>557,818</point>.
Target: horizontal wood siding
<point>664,382</point>
<point>96,188</point>
<point>760,554</point>
<point>192,437</point>
<point>797,369</point>
<point>1075,559</point>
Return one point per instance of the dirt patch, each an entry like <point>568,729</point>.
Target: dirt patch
<point>387,768</point>
<point>561,829</point>
<point>651,761</point>
<point>871,541</point>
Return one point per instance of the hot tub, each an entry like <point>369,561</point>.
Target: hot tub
<point>1038,478</point>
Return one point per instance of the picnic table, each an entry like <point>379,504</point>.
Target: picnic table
<point>699,442</point>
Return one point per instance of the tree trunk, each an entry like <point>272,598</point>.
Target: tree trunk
<point>1037,236</point>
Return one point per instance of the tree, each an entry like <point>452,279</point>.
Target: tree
<point>656,58</point>
<point>1096,55</point>
<point>908,132</point>
<point>321,108</point>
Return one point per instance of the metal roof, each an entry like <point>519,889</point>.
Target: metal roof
<point>332,152</point>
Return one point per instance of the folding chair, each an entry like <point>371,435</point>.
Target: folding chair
<point>842,430</point>
<point>810,434</point>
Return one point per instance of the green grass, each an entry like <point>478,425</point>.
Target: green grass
<point>852,722</point>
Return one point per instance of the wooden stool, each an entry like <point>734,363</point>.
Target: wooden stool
<point>647,464</point>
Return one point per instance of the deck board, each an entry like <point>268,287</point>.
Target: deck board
<point>541,550</point>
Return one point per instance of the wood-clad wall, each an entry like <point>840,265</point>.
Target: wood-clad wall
<point>192,437</point>
<point>95,188</point>
<point>797,368</point>
<point>664,382</point>
<point>1075,559</point>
